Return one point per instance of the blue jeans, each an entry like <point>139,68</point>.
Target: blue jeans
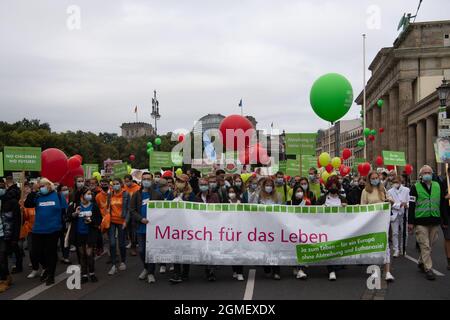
<point>121,233</point>
<point>150,267</point>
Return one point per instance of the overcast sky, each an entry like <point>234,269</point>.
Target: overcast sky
<point>202,56</point>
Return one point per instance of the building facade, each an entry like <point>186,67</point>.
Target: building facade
<point>405,76</point>
<point>137,129</point>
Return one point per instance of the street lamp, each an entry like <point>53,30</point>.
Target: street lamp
<point>443,92</point>
<point>155,111</point>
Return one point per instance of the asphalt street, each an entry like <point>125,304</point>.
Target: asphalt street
<point>351,283</point>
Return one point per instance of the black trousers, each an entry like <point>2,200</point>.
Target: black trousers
<point>45,251</point>
<point>177,268</point>
<point>4,271</point>
<point>14,248</point>
<point>87,259</point>
<point>238,269</point>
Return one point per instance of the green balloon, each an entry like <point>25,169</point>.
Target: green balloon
<point>331,96</point>
<point>150,150</point>
<point>367,132</point>
<point>158,141</point>
<point>149,145</point>
<point>380,103</point>
<point>373,132</point>
<point>361,143</point>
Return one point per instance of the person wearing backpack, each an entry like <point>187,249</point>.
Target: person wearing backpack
<point>47,228</point>
<point>118,204</point>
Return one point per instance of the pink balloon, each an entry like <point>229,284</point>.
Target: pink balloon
<point>54,164</point>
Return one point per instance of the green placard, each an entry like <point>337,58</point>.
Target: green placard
<point>307,163</point>
<point>89,169</point>
<point>161,159</point>
<point>120,170</point>
<point>301,143</point>
<point>292,167</point>
<point>1,165</point>
<point>22,159</point>
<point>394,158</point>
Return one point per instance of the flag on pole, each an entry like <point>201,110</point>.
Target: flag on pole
<point>135,109</point>
<point>240,103</point>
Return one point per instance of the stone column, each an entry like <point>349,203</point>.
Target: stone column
<point>412,147</point>
<point>431,133</point>
<point>393,119</point>
<point>385,124</point>
<point>405,102</point>
<point>421,145</point>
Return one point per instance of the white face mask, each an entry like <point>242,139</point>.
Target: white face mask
<point>397,185</point>
<point>232,196</point>
<point>299,195</point>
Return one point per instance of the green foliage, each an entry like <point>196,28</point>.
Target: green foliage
<point>92,147</point>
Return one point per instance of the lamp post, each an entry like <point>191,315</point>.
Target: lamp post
<point>443,93</point>
<point>155,111</point>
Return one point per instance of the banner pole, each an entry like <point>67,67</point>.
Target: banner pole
<point>448,180</point>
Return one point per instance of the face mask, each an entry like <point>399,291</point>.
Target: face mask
<point>397,185</point>
<point>129,184</point>
<point>157,180</point>
<point>238,184</point>
<point>146,184</point>
<point>304,187</point>
<point>253,186</point>
<point>232,196</point>
<point>268,189</point>
<point>88,197</point>
<point>116,187</point>
<point>362,185</point>
<point>227,184</point>
<point>2,192</point>
<point>427,177</point>
<point>340,181</point>
<point>180,185</point>
<point>204,188</point>
<point>43,190</point>
<point>213,185</point>
<point>65,193</point>
<point>80,185</point>
<point>375,182</point>
<point>312,177</point>
<point>299,195</point>
<point>105,189</point>
<point>280,181</point>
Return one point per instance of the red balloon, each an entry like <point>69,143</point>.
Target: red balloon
<point>54,164</point>
<point>287,178</point>
<point>167,174</point>
<point>181,138</point>
<point>73,163</point>
<point>68,179</point>
<point>132,157</point>
<point>346,153</point>
<point>321,181</point>
<point>371,138</point>
<point>329,168</point>
<point>364,169</point>
<point>408,169</point>
<point>381,130</point>
<point>390,167</point>
<point>379,161</point>
<point>79,157</point>
<point>237,126</point>
<point>344,170</point>
<point>318,164</point>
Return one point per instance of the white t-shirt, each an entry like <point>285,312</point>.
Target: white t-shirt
<point>333,201</point>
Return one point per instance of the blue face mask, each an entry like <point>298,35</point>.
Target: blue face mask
<point>43,190</point>
<point>375,182</point>
<point>2,192</point>
<point>117,187</point>
<point>146,184</point>
<point>204,188</point>
<point>88,197</point>
<point>427,177</point>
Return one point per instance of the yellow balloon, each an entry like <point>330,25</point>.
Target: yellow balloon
<point>336,162</point>
<point>324,159</point>
<point>245,177</point>
<point>179,172</point>
<point>325,176</point>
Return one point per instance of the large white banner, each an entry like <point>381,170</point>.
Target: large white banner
<point>251,234</point>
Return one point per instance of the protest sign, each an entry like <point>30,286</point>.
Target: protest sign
<point>22,159</point>
<point>394,158</point>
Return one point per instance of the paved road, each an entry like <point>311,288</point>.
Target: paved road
<point>351,284</point>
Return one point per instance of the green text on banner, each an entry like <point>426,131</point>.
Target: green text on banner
<point>120,170</point>
<point>301,143</point>
<point>394,158</point>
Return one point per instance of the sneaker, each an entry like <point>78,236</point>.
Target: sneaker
<point>33,274</point>
<point>73,248</point>
<point>421,267</point>
<point>162,269</point>
<point>396,254</point>
<point>430,275</point>
<point>151,278</point>
<point>332,276</point>
<point>276,276</point>
<point>84,279</point>
<point>50,281</point>
<point>93,278</point>
<point>122,266</point>
<point>112,271</point>
<point>176,279</point>
<point>44,275</point>
<point>301,275</point>
<point>240,277</point>
<point>389,277</point>
<point>128,246</point>
<point>171,268</point>
<point>66,262</point>
<point>143,274</point>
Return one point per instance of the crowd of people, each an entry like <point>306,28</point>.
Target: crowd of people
<point>110,216</point>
